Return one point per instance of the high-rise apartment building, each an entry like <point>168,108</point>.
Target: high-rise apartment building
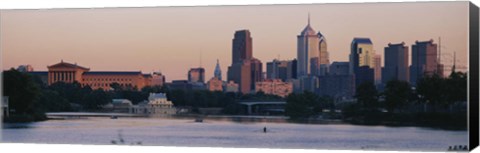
<point>396,63</point>
<point>424,60</point>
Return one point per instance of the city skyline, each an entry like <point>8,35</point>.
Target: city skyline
<point>146,45</point>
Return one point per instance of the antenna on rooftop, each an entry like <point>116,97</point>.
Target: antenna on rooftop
<point>308,18</point>
<point>200,58</point>
<point>439,50</point>
<point>454,61</point>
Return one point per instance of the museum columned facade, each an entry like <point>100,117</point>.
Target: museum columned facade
<point>69,73</point>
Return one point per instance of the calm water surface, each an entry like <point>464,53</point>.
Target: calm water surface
<point>176,132</point>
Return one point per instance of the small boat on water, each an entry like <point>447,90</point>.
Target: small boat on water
<point>113,117</point>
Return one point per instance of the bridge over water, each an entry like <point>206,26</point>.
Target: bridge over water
<point>275,106</point>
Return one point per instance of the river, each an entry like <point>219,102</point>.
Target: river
<point>210,133</point>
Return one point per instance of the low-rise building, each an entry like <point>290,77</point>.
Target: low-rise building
<point>215,84</point>
<point>185,85</point>
<point>231,87</point>
<point>158,79</point>
<point>157,105</point>
<point>70,73</point>
<point>274,87</point>
<point>119,106</point>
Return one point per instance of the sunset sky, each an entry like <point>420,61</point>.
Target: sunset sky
<point>171,39</point>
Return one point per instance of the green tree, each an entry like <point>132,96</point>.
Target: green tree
<point>367,95</point>
<point>324,102</point>
<point>397,94</point>
<point>21,91</point>
<point>96,99</point>
<point>432,90</point>
<point>178,97</point>
<point>456,87</point>
<point>51,101</point>
<point>301,105</point>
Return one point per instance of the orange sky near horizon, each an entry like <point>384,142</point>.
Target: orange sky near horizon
<point>171,39</point>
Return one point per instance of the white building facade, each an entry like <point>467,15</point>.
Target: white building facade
<point>157,105</point>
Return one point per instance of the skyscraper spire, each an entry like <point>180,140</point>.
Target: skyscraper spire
<point>308,18</point>
<point>200,58</point>
<point>217,72</point>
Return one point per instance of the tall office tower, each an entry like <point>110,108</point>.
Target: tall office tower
<point>396,63</point>
<point>339,68</point>
<point>378,69</point>
<point>196,75</point>
<point>245,70</point>
<point>324,59</point>
<point>242,46</point>
<point>339,83</point>
<point>256,72</point>
<point>311,52</point>
<point>239,73</point>
<point>277,70</point>
<point>292,69</point>
<point>424,60</point>
<point>217,72</point>
<point>362,61</point>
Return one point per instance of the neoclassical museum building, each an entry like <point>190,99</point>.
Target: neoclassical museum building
<point>69,73</point>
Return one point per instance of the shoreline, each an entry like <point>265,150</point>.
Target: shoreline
<point>271,119</point>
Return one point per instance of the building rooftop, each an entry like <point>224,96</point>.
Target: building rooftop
<point>157,96</point>
<point>38,72</point>
<point>362,41</point>
<point>113,73</point>
<point>424,42</point>
<point>69,65</point>
<point>397,44</point>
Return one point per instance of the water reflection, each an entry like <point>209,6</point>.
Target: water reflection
<point>217,133</point>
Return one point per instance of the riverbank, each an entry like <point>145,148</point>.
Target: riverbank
<point>435,121</point>
<point>446,121</point>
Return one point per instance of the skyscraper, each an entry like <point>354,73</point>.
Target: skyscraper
<point>256,72</point>
<point>239,73</point>
<point>424,60</point>
<point>292,69</point>
<point>339,68</point>
<point>324,59</point>
<point>396,63</point>
<point>378,69</point>
<point>217,72</point>
<point>311,51</point>
<point>245,70</point>
<point>242,46</point>
<point>277,70</point>
<point>362,61</point>
<point>338,83</point>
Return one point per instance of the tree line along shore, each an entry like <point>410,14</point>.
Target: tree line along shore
<point>433,102</point>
